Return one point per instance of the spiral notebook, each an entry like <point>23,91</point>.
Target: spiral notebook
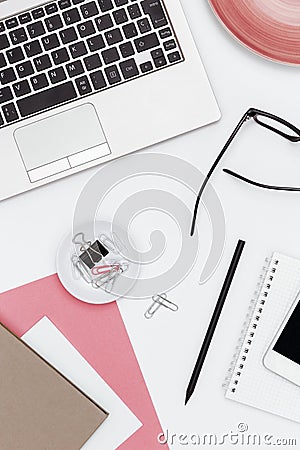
<point>248,380</point>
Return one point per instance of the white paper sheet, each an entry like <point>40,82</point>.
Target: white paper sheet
<point>51,344</point>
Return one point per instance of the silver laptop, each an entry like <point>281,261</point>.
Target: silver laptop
<point>86,81</point>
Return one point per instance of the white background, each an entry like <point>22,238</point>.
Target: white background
<point>32,224</point>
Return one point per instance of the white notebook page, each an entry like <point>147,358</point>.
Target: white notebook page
<point>251,383</point>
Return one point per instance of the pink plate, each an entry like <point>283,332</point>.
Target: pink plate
<point>268,27</point>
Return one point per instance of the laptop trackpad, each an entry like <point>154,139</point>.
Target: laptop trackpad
<point>62,141</point>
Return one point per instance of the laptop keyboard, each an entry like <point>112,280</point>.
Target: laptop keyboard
<point>68,49</point>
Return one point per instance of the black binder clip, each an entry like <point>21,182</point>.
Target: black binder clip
<point>92,264</point>
<point>91,253</point>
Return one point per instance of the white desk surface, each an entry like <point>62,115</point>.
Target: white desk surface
<point>167,346</point>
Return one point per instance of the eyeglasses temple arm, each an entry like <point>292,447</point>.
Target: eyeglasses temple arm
<point>261,185</point>
<point>246,116</point>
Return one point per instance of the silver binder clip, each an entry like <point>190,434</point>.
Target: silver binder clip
<point>158,301</point>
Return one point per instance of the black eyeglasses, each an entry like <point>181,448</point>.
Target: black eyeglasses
<point>260,118</point>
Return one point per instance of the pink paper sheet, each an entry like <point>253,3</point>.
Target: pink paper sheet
<point>99,334</point>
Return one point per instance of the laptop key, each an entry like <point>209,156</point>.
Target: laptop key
<point>52,8</point>
<point>10,112</point>
<point>165,33</point>
<point>83,85</point>
<point>18,36</point>
<point>92,62</point>
<point>5,95</point>
<point>7,75</point>
<point>146,42</point>
<point>155,10</point>
<point>38,13</point>
<point>126,49</point>
<point>71,16</point>
<point>86,29</point>
<point>12,22</point>
<point>144,25</point>
<point>105,5</point>
<point>146,67</point>
<point>104,22</point>
<point>2,27</point>
<point>39,82</point>
<point>121,2</point>
<point>111,55</point>
<point>160,62</point>
<point>113,75</point>
<point>51,41</point>
<point>173,57</point>
<point>25,18</point>
<point>60,56</point>
<point>4,43</point>
<point>98,80</point>
<point>63,4</point>
<point>15,55</point>
<point>2,60</point>
<point>170,45</point>
<point>130,30</point>
<point>120,16</point>
<point>21,88</point>
<point>68,35</point>
<point>89,10</point>
<point>42,63</point>
<point>25,69</point>
<point>53,23</point>
<point>57,75</point>
<point>129,69</point>
<point>36,29</point>
<point>96,43</point>
<point>157,53</point>
<point>78,49</point>
<point>47,99</point>
<point>113,36</point>
<point>134,11</point>
<point>33,48</point>
<point>75,68</point>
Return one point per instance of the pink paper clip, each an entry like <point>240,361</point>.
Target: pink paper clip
<point>102,270</point>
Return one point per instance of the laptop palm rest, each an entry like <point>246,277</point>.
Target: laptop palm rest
<point>61,142</point>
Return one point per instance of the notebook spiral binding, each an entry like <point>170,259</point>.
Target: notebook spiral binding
<point>250,325</point>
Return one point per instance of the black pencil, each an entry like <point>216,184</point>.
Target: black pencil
<point>214,319</point>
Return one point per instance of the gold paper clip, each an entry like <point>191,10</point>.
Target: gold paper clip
<point>158,301</point>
